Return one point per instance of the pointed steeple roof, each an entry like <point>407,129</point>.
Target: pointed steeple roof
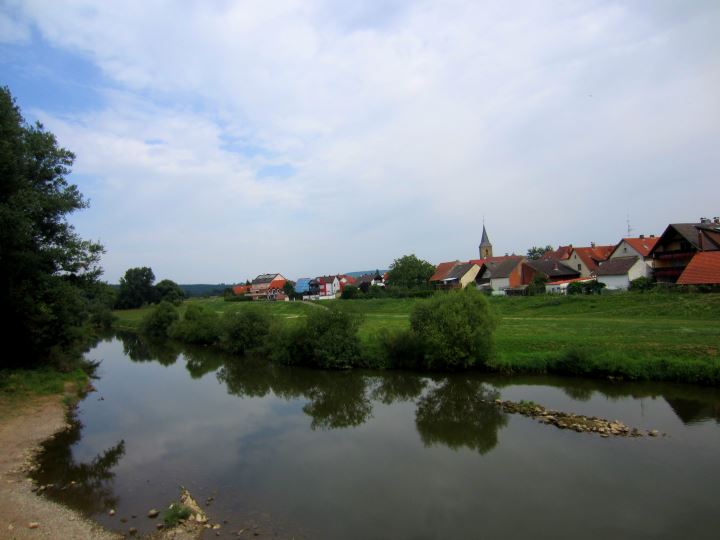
<point>485,241</point>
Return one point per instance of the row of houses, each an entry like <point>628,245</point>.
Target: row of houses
<point>685,253</point>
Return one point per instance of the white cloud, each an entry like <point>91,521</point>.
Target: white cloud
<point>404,124</point>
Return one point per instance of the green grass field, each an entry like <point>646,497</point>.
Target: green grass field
<point>628,328</point>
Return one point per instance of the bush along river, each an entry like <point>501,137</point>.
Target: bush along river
<point>278,452</point>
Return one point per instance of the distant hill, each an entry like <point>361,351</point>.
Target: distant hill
<point>204,289</point>
<point>362,273</point>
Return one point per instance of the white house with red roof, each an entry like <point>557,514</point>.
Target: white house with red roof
<point>637,247</point>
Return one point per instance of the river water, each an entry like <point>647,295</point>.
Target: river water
<point>295,453</point>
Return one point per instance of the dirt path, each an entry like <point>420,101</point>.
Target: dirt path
<point>23,514</point>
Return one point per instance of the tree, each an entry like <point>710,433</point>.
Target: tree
<point>536,252</point>
<point>169,291</point>
<point>289,290</point>
<point>410,272</point>
<point>453,330</point>
<point>136,288</point>
<point>45,267</point>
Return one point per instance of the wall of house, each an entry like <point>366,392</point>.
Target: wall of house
<point>469,276</point>
<point>623,282</point>
<point>626,250</point>
<point>499,283</point>
<point>576,263</point>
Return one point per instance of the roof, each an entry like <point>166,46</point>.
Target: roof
<point>616,267</point>
<point>302,285</point>
<point>560,254</point>
<point>703,269</point>
<point>327,279</point>
<point>642,245</point>
<point>485,241</point>
<point>442,270</point>
<point>592,255</point>
<point>573,280</point>
<point>241,289</point>
<point>504,267</point>
<point>552,268</point>
<point>458,271</point>
<point>264,278</point>
<point>702,236</point>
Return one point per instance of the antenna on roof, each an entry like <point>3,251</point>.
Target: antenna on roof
<point>629,228</point>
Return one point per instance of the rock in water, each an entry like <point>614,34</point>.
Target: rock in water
<point>153,513</point>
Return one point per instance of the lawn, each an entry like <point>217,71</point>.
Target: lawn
<point>629,328</point>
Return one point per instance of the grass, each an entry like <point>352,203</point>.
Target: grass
<point>175,513</point>
<point>25,383</point>
<point>659,336</point>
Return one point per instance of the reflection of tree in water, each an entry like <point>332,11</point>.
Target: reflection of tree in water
<point>691,411</point>
<point>92,492</point>
<point>454,414</point>
<point>142,349</point>
<point>398,386</point>
<point>578,393</point>
<point>337,399</point>
<point>200,361</point>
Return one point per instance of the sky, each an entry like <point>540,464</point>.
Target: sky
<point>217,140</point>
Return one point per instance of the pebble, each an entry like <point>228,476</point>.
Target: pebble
<point>33,525</point>
<point>112,512</point>
<point>153,513</point>
<point>132,531</point>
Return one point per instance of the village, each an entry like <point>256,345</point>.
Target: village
<point>684,254</point>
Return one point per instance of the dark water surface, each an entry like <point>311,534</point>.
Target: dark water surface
<point>289,452</point>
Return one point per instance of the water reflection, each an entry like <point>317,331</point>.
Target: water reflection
<point>141,349</point>
<point>459,413</point>
<point>83,486</point>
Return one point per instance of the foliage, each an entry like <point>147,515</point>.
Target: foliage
<point>537,285</point>
<point>136,288</point>
<point>536,252</point>
<point>46,267</point>
<point>350,292</point>
<point>585,287</point>
<point>25,382</point>
<point>453,330</point>
<point>101,298</point>
<point>289,290</point>
<point>157,322</point>
<point>409,272</point>
<point>169,291</point>
<point>199,326</point>
<point>642,284</point>
<point>176,513</point>
<point>245,330</point>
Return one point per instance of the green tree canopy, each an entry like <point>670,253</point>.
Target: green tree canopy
<point>136,288</point>
<point>536,252</point>
<point>169,291</point>
<point>410,272</point>
<point>45,267</point>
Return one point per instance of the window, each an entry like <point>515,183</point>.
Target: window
<point>579,267</point>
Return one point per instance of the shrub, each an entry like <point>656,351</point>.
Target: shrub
<point>175,513</point>
<point>157,322</point>
<point>244,331</point>
<point>453,330</point>
<point>642,284</point>
<point>199,326</point>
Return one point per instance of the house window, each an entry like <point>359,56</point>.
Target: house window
<point>579,267</point>
<point>624,250</point>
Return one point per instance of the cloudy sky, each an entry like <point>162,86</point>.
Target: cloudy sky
<point>221,139</point>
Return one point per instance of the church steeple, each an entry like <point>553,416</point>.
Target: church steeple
<point>485,245</point>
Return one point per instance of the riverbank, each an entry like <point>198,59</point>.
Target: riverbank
<point>660,336</point>
<point>24,424</point>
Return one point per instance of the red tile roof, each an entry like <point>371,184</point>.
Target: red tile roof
<point>591,256</point>
<point>241,289</point>
<point>642,245</point>
<point>560,254</point>
<point>703,269</point>
<point>442,270</point>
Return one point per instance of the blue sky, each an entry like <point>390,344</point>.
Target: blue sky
<point>220,140</point>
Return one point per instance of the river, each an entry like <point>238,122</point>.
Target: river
<point>294,453</point>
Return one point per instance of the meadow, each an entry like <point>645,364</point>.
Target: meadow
<point>647,336</point>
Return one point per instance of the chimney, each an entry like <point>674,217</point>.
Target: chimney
<point>652,236</point>
<point>592,244</point>
<point>642,237</point>
<point>704,220</point>
<point>716,220</point>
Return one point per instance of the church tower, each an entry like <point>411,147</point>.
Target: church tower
<point>485,245</point>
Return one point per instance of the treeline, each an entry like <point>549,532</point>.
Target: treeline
<point>447,332</point>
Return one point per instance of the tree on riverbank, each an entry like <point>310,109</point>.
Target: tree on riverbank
<point>46,270</point>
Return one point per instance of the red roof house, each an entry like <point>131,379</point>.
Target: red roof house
<point>703,269</point>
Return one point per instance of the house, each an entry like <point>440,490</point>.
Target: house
<point>324,287</point>
<point>455,275</point>
<point>617,273</point>
<point>240,289</point>
<point>366,281</point>
<point>679,243</point>
<point>637,247</point>
<point>560,254</point>
<point>345,280</point>
<point>552,270</point>
<point>703,269</point>
<point>268,287</point>
<point>561,286</point>
<point>500,273</point>
<point>586,259</point>
<point>302,285</point>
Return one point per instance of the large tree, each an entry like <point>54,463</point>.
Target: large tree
<point>136,288</point>
<point>536,252</point>
<point>46,269</point>
<point>410,272</point>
